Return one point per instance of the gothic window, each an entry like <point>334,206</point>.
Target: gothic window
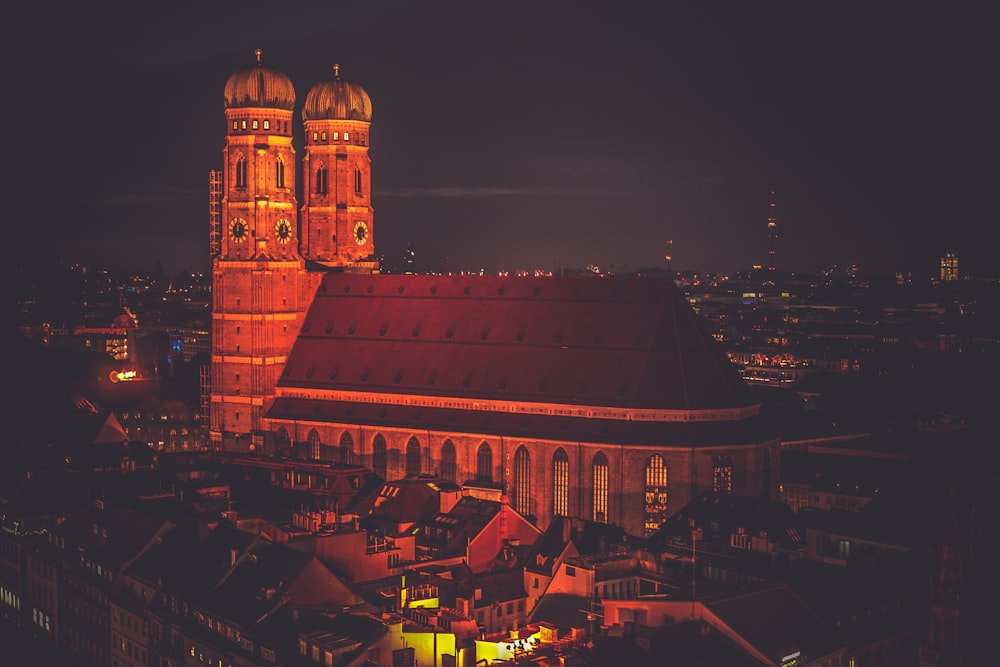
<point>279,173</point>
<point>522,481</point>
<point>314,445</point>
<point>722,474</point>
<point>448,461</point>
<point>357,182</point>
<point>241,172</point>
<point>599,483</point>
<point>560,483</point>
<point>656,493</point>
<point>346,447</point>
<point>413,457</point>
<point>379,456</point>
<point>484,463</point>
<point>321,180</point>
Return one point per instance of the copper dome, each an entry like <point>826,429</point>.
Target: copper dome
<point>337,99</point>
<point>259,85</point>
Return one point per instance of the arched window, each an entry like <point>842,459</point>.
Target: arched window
<point>522,481</point>
<point>379,456</point>
<point>314,445</point>
<point>484,463</point>
<point>413,457</point>
<point>279,173</point>
<point>357,181</point>
<point>599,483</point>
<point>448,461</point>
<point>321,180</point>
<point>241,172</point>
<point>656,493</point>
<point>560,483</point>
<point>722,474</point>
<point>346,447</point>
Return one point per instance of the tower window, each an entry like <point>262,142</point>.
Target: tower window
<point>255,124</point>
<point>379,456</point>
<point>241,172</point>
<point>267,124</point>
<point>315,136</point>
<point>448,461</point>
<point>346,137</point>
<point>243,124</point>
<point>336,136</point>
<point>321,180</point>
<point>357,182</point>
<point>279,172</point>
<point>236,125</point>
<point>324,135</point>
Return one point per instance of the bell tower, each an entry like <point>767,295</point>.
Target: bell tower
<point>337,213</point>
<point>260,287</point>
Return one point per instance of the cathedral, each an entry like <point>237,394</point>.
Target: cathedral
<point>600,398</point>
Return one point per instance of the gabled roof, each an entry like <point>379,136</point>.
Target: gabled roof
<point>627,342</point>
<point>776,623</point>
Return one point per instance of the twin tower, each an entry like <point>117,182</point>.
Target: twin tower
<point>268,251</point>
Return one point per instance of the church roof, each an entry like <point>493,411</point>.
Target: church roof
<point>617,342</point>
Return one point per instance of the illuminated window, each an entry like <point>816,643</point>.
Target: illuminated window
<point>448,461</point>
<point>336,136</point>
<point>560,483</point>
<point>236,125</point>
<point>379,456</point>
<point>314,445</point>
<point>599,483</point>
<point>279,173</point>
<point>346,447</point>
<point>243,124</point>
<point>315,136</point>
<point>357,182</point>
<point>413,457</point>
<point>255,124</point>
<point>522,481</point>
<point>267,124</point>
<point>324,135</point>
<point>722,474</point>
<point>656,493</point>
<point>241,172</point>
<point>346,137</point>
<point>484,463</point>
<point>321,180</point>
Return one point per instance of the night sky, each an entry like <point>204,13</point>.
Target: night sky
<point>531,135</point>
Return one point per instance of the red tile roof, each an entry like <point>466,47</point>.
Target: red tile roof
<point>620,342</point>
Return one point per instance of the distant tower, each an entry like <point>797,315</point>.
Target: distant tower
<point>772,236</point>
<point>949,267</point>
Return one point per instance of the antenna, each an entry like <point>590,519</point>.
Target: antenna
<point>772,236</point>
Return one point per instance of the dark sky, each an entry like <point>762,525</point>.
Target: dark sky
<point>522,135</point>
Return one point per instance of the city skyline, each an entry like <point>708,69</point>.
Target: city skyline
<point>536,137</point>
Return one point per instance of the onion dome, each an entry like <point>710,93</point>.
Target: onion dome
<point>337,99</point>
<point>259,85</point>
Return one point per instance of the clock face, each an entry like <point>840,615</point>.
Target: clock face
<point>284,231</point>
<point>238,230</point>
<point>360,233</point>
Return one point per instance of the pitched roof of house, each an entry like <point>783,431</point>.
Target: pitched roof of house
<point>627,342</point>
